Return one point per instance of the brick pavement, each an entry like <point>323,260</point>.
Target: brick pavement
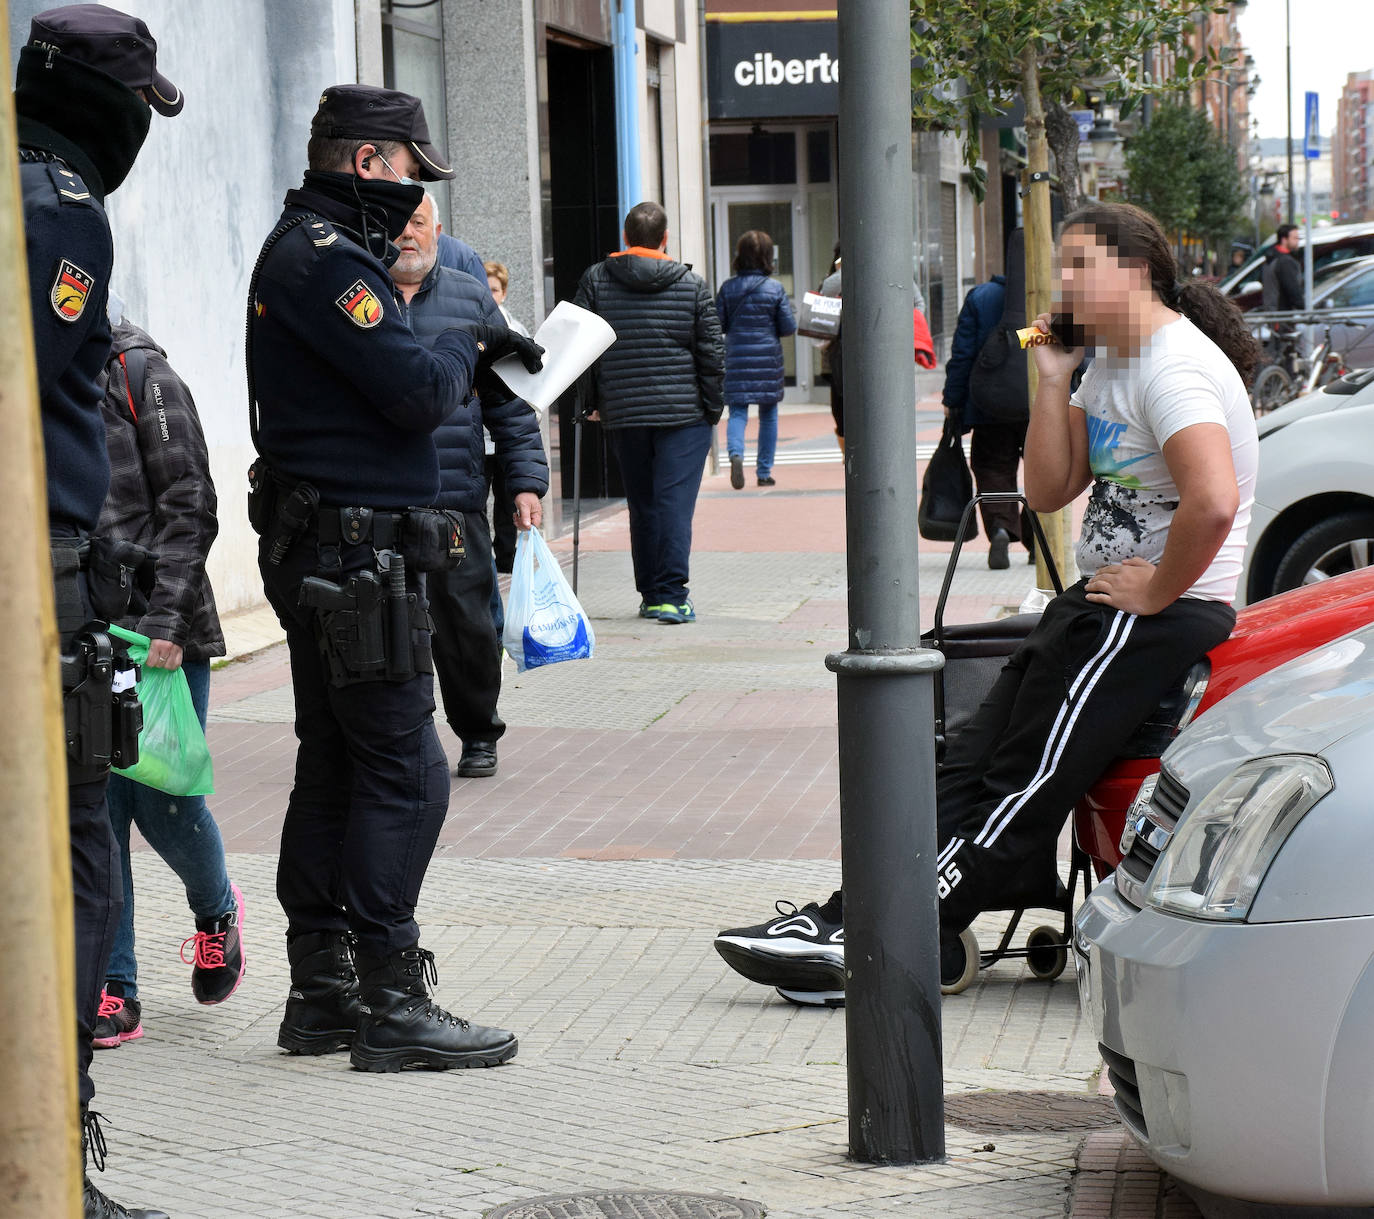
<point>676,784</point>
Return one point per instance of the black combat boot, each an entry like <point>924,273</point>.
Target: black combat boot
<point>400,1027</point>
<point>94,1204</point>
<point>322,1008</point>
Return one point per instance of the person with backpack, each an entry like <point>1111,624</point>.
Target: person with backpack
<point>996,415</point>
<point>161,497</point>
<point>755,316</point>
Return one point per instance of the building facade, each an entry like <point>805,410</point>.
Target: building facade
<point>1352,162</point>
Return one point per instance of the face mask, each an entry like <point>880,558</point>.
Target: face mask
<point>387,205</point>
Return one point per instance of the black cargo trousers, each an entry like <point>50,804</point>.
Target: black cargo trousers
<point>1063,707</point>
<point>371,784</point>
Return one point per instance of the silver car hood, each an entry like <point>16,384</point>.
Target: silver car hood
<point>1304,706</point>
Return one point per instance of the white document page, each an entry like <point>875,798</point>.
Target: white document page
<point>572,339</point>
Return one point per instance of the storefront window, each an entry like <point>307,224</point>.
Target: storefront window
<point>753,158</point>
<point>818,156</point>
<point>413,61</point>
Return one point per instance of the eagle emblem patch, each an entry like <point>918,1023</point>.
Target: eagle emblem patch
<point>70,291</point>
<point>361,305</point>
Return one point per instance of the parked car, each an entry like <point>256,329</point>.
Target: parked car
<point>1313,516</point>
<point>1227,966</point>
<point>1330,245</point>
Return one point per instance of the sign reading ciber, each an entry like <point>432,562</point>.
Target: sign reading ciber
<point>772,69</point>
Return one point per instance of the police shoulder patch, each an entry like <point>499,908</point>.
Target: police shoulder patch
<point>361,305</point>
<point>71,289</point>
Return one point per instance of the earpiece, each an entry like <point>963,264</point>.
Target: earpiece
<point>367,161</point>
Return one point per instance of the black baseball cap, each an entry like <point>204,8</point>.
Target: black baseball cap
<point>366,112</point>
<point>111,41</point>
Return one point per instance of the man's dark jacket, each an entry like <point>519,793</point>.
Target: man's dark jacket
<point>161,494</point>
<point>980,315</point>
<point>667,365</point>
<point>1282,281</point>
<point>446,298</point>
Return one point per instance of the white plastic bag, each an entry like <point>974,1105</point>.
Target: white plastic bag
<point>544,622</point>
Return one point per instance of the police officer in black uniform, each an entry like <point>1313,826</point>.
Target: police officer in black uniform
<point>86,85</point>
<point>346,401</point>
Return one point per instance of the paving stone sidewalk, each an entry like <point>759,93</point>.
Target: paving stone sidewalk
<point>679,783</point>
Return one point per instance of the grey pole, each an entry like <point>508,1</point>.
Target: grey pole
<point>886,729</point>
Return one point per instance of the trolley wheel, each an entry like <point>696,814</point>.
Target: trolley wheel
<point>959,962</point>
<point>1046,952</point>
<point>1272,388</point>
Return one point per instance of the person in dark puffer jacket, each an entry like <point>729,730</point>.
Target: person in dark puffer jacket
<point>756,316</point>
<point>657,391</point>
<point>467,652</point>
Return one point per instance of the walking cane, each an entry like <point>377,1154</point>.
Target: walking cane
<point>577,478</point>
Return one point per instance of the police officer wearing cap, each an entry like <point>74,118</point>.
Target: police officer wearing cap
<point>85,88</point>
<point>345,402</point>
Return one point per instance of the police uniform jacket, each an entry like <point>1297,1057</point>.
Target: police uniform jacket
<point>348,398</point>
<point>161,493</point>
<point>70,256</point>
<point>666,365</point>
<point>445,298</point>
<point>755,315</point>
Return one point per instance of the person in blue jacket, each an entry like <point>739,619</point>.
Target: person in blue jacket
<point>756,316</point>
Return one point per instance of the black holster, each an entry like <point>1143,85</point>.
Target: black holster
<point>370,628</point>
<point>100,705</point>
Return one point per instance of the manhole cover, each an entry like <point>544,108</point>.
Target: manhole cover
<point>1035,1111</point>
<point>614,1204</point>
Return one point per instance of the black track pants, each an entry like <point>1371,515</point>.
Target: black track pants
<point>1063,707</point>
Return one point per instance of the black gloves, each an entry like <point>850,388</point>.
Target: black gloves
<point>493,342</point>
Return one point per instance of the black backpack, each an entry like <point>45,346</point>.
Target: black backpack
<point>999,385</point>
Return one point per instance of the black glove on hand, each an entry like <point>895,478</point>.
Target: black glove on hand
<point>493,342</point>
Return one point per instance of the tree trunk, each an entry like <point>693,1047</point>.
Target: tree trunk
<point>1061,130</point>
<point>1040,286</point>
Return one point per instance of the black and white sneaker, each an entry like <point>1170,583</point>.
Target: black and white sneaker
<point>813,998</point>
<point>801,950</point>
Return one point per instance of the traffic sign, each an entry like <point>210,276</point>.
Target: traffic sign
<point>1311,138</point>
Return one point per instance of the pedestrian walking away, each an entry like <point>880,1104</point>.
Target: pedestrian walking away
<point>344,401</point>
<point>1161,429</point>
<point>467,649</point>
<point>85,89</point>
<point>162,498</point>
<point>657,391</point>
<point>755,316</point>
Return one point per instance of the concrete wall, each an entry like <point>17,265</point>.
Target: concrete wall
<point>207,187</point>
<point>493,123</point>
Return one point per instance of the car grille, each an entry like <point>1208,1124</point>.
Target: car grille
<point>1153,832</point>
<point>1122,1076</point>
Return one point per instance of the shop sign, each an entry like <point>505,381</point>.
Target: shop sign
<point>772,69</point>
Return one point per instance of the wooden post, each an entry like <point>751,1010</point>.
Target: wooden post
<point>40,1157</point>
<point>1040,285</point>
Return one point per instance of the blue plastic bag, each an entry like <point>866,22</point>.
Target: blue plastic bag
<point>544,622</point>
<point>172,753</point>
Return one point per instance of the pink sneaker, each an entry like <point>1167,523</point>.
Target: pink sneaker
<point>217,962</point>
<point>117,1021</point>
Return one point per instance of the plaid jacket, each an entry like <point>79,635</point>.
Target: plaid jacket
<point>161,494</point>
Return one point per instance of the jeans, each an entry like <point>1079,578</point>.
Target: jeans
<point>662,469</point>
<point>181,830</point>
<point>768,434</point>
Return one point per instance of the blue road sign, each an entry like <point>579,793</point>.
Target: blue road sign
<point>1311,137</point>
<point>1084,119</point>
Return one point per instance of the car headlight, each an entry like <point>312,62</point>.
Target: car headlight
<point>1218,855</point>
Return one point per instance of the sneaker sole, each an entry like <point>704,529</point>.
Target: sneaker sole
<point>113,1043</point>
<point>243,956</point>
<point>813,998</point>
<point>314,1044</point>
<point>392,1061</point>
<point>802,973</point>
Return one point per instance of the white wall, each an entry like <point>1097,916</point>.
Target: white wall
<point>206,190</point>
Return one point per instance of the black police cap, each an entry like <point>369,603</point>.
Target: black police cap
<point>111,41</point>
<point>366,112</point>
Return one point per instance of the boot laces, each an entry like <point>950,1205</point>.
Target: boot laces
<point>110,1005</point>
<point>95,1138</point>
<point>208,952</point>
<point>422,966</point>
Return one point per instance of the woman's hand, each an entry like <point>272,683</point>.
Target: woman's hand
<point>1125,586</point>
<point>1051,359</point>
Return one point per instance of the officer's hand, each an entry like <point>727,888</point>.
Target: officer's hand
<point>493,342</point>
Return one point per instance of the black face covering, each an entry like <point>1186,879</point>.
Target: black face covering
<point>92,121</point>
<point>384,208</point>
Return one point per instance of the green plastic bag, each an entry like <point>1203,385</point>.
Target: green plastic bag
<point>172,752</point>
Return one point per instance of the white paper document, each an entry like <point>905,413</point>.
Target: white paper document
<point>572,338</point>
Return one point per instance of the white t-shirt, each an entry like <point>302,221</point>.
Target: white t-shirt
<point>1134,405</point>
